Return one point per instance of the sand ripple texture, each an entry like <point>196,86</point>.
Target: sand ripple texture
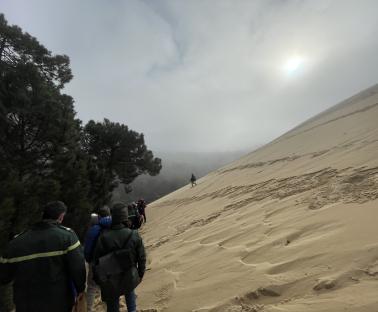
<point>290,227</point>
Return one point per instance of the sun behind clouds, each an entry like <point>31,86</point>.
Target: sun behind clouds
<point>293,65</point>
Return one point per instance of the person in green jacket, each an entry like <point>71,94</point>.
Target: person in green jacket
<point>46,264</point>
<point>119,237</point>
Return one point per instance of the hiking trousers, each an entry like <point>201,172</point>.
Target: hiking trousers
<point>92,289</point>
<point>113,306</point>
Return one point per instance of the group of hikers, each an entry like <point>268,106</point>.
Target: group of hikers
<point>47,264</point>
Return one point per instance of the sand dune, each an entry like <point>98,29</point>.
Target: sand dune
<point>289,227</point>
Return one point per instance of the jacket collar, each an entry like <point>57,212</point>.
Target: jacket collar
<point>45,224</point>
<point>117,226</point>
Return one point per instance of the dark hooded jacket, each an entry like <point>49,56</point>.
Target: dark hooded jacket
<point>119,237</point>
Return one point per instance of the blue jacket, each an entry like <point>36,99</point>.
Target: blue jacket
<point>92,236</point>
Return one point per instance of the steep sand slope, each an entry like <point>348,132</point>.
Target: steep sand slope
<point>290,227</point>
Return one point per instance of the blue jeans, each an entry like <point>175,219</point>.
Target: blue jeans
<point>113,306</point>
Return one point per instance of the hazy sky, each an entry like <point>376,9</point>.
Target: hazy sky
<point>207,75</point>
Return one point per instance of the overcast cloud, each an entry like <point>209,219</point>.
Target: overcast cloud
<point>207,75</point>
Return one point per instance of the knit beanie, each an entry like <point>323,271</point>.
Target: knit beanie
<point>119,213</point>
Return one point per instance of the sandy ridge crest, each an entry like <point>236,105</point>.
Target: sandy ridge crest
<point>289,227</point>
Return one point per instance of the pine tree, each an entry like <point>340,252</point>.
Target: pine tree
<point>118,153</point>
<point>45,154</point>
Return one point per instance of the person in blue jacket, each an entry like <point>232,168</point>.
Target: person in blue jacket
<point>103,221</point>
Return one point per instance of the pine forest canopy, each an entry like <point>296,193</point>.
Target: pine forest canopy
<point>45,151</point>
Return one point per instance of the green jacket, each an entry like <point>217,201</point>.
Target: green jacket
<point>114,239</point>
<point>47,266</point>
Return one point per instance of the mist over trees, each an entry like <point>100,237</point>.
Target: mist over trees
<point>45,152</point>
<point>118,155</point>
<point>176,173</point>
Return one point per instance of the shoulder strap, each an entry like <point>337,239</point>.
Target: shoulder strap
<point>117,247</point>
<point>128,239</point>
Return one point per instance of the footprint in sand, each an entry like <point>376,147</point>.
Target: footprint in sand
<point>325,284</point>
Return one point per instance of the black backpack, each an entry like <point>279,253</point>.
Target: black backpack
<point>116,273</point>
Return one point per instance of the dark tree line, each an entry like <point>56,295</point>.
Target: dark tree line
<point>45,151</point>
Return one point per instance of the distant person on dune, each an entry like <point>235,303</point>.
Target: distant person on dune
<point>98,224</point>
<point>46,265</point>
<point>193,180</point>
<point>120,261</point>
